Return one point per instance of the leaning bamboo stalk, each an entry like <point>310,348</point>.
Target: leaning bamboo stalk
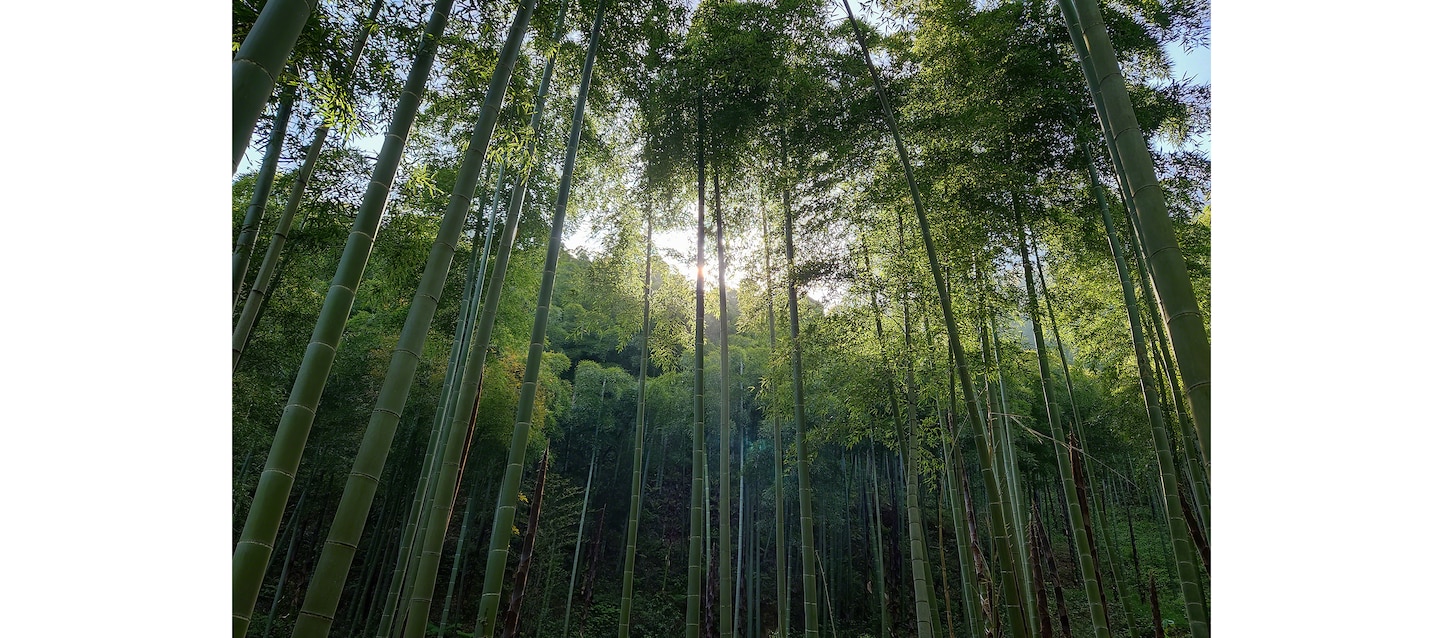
<point>509,488</point>
<point>632,527</point>
<point>1073,508</point>
<point>330,573</point>
<point>1180,549</point>
<point>257,66</point>
<point>263,520</point>
<point>260,289</point>
<point>455,561</point>
<point>580,529</point>
<point>264,180</point>
<point>1011,593</point>
<point>527,552</point>
<point>1171,278</point>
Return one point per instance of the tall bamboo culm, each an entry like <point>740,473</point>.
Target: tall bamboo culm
<point>1062,457</point>
<point>261,287</point>
<point>510,486</point>
<point>1172,280</point>
<point>802,450</point>
<point>264,180</point>
<point>253,552</point>
<point>257,65</point>
<point>697,450</point>
<point>727,627</point>
<point>1180,546</point>
<point>632,527</point>
<point>1010,591</point>
<point>335,559</point>
<point>782,588</point>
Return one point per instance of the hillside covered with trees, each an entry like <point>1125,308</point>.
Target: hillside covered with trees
<point>733,318</point>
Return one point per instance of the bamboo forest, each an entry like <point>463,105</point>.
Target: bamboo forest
<point>684,318</point>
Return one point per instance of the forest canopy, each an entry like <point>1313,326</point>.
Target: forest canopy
<point>727,318</point>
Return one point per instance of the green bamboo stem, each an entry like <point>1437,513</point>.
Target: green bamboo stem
<point>740,544</point>
<point>1171,278</point>
<point>285,563</point>
<point>1037,575</point>
<point>697,451</point>
<point>969,590</point>
<point>261,288</point>
<point>257,66</point>
<point>527,552</point>
<point>1010,590</point>
<point>1132,615</point>
<point>377,551</point>
<point>410,525</point>
<point>469,305</point>
<point>919,566</point>
<point>1079,431</point>
<point>1073,514</point>
<point>1042,541</point>
<point>412,339</point>
<point>580,529</point>
<point>782,588</point>
<point>727,625</point>
<point>802,452</point>
<point>455,562</point>
<point>879,540</point>
<point>264,180</point>
<point>632,527</point>
<point>1009,473</point>
<point>944,568</point>
<point>509,488</point>
<point>323,596</point>
<point>252,554</point>
<point>1180,549</point>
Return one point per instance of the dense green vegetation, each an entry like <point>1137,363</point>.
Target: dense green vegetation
<point>937,365</point>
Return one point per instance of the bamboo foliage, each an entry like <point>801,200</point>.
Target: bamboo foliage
<point>252,554</point>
